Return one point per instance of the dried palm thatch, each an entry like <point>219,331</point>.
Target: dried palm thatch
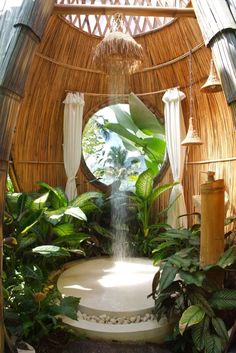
<point>118,52</point>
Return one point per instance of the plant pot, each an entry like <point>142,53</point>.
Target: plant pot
<point>24,347</point>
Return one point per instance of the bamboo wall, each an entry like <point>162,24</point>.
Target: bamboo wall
<point>63,62</point>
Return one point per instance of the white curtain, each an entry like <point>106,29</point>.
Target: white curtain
<point>72,133</point>
<point>175,133</point>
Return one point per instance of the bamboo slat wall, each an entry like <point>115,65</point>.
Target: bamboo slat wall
<point>64,62</point>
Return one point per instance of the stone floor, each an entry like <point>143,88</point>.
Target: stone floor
<point>112,347</point>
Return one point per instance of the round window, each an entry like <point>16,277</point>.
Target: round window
<point>116,148</point>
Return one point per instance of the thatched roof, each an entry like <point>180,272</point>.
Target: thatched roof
<point>61,61</point>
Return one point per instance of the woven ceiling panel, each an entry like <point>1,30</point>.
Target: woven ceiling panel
<point>99,25</point>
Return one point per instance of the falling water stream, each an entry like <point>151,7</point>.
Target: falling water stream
<point>120,242</point>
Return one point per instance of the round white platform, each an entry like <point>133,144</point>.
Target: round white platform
<point>117,289</point>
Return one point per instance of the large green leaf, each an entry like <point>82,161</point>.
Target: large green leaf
<point>176,233</point>
<point>90,202</point>
<point>144,184</point>
<point>228,258</point>
<point>40,202</point>
<point>199,333</point>
<point>72,239</point>
<point>130,146</point>
<point>164,245</point>
<point>76,212</point>
<point>64,229</point>
<point>155,148</point>
<point>12,203</point>
<point>30,221</point>
<point>180,262</point>
<point>143,117</point>
<point>220,328</point>
<point>68,307</point>
<point>22,202</point>
<point>50,251</point>
<point>33,272</point>
<point>121,131</point>
<point>57,196</point>
<point>90,208</point>
<point>101,230</point>
<point>152,165</point>
<point>162,251</point>
<point>213,344</point>
<point>191,316</point>
<point>54,217</point>
<point>27,241</point>
<point>196,278</point>
<point>224,299</point>
<point>124,118</point>
<point>197,297</point>
<point>167,276</point>
<point>159,190</point>
<point>86,197</point>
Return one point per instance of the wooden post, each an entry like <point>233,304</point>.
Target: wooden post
<point>212,221</point>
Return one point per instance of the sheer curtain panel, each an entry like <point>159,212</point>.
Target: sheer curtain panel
<point>175,133</point>
<point>72,142</point>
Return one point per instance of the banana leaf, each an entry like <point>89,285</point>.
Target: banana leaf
<point>121,131</point>
<point>124,118</point>
<point>155,148</point>
<point>143,118</point>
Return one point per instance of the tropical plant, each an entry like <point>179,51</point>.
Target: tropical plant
<point>140,130</point>
<point>189,295</point>
<point>116,159</point>
<point>46,223</point>
<point>139,206</point>
<point>171,240</point>
<point>43,227</point>
<point>33,305</point>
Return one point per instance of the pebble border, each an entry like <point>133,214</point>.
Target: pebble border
<point>123,320</point>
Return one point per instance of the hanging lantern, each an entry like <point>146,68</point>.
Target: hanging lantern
<point>213,83</point>
<point>118,52</point>
<point>192,137</point>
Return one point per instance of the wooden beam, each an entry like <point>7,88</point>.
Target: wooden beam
<point>126,10</point>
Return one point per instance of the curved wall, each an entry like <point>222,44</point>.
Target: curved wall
<point>63,63</point>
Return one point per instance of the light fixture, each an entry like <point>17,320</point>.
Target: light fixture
<point>118,52</point>
<point>213,83</point>
<point>192,137</point>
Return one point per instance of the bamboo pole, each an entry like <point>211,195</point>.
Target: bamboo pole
<point>220,160</point>
<point>212,221</point>
<point>126,10</point>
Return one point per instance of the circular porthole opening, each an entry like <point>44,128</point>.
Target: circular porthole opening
<point>114,148</point>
